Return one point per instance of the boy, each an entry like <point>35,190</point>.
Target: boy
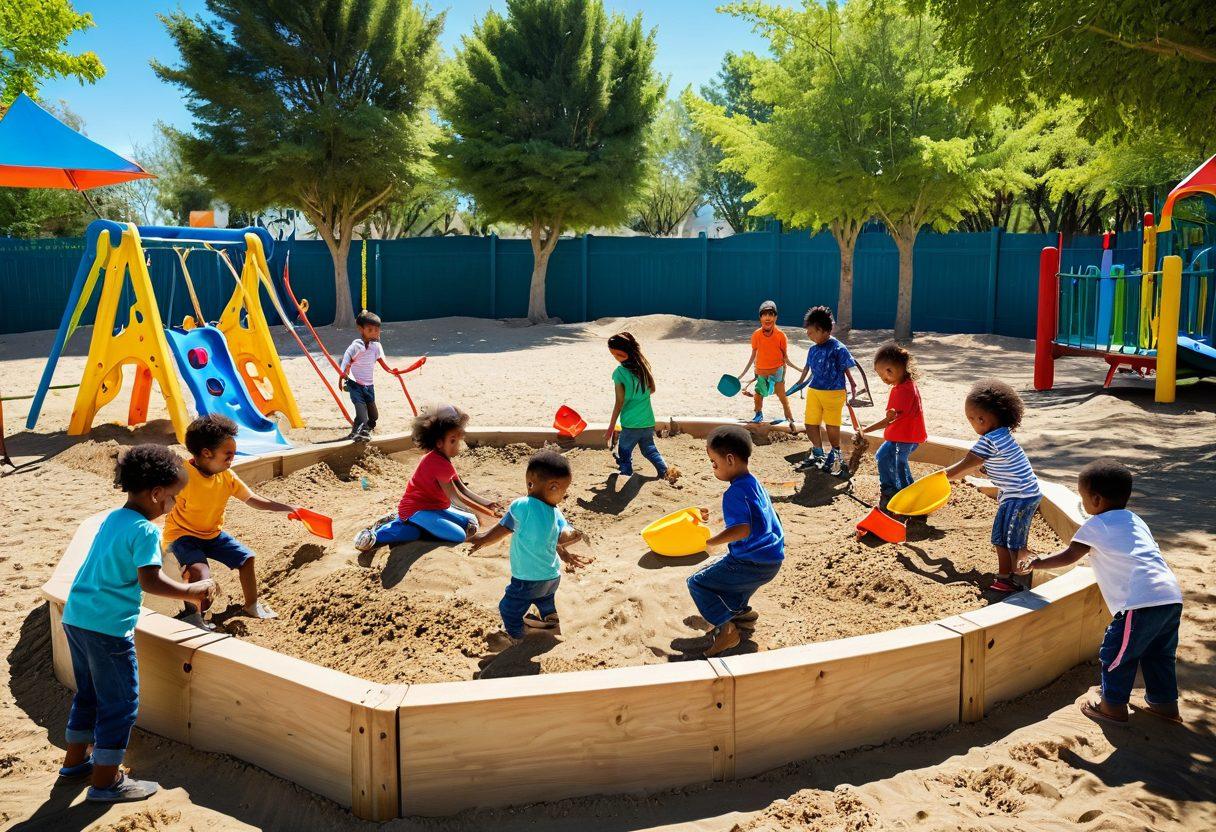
<point>540,535</point>
<point>828,361</point>
<point>753,535</point>
<point>361,357</point>
<point>1139,589</point>
<point>99,623</point>
<point>194,530</point>
<point>770,355</point>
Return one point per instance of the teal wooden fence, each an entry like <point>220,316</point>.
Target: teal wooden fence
<point>964,282</point>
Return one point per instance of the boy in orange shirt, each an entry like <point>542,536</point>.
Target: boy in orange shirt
<point>770,354</point>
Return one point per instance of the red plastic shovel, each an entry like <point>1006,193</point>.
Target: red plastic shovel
<point>883,525</point>
<point>317,524</point>
<point>567,422</point>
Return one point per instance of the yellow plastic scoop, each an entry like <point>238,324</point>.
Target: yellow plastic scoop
<point>924,496</point>
<point>677,535</point>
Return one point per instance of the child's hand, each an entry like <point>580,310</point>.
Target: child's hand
<point>704,515</point>
<point>201,591</point>
<point>342,383</point>
<point>572,560</point>
<point>1026,564</point>
<point>496,508</point>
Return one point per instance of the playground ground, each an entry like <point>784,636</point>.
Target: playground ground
<point>1031,764</point>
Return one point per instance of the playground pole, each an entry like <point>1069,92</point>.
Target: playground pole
<point>1167,339</point>
<point>1045,334</point>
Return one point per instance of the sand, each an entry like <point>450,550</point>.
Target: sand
<point>1031,764</point>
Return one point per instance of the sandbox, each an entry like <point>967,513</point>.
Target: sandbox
<point>406,741</point>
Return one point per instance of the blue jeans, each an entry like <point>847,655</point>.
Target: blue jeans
<point>449,525</point>
<point>107,692</point>
<point>1011,526</point>
<point>1147,637</point>
<point>723,588</point>
<point>894,473</point>
<point>643,438</point>
<point>363,397</point>
<point>519,598</point>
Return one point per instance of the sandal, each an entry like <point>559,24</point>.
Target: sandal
<point>1091,710</point>
<point>1149,709</point>
<point>1005,586</point>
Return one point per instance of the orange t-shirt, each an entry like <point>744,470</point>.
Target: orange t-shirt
<point>770,350</point>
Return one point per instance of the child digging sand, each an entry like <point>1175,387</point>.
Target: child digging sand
<point>634,382</point>
<point>828,361</point>
<point>752,534</point>
<point>539,535</point>
<point>99,623</point>
<point>770,354</point>
<point>1139,590</point>
<point>426,506</point>
<point>904,424</point>
<point>194,530</point>
<point>995,410</point>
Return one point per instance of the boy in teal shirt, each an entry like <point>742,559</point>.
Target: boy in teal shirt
<point>539,536</point>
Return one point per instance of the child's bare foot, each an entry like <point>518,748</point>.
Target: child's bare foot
<point>727,637</point>
<point>259,610</point>
<point>673,474</point>
<point>501,640</point>
<point>1099,710</point>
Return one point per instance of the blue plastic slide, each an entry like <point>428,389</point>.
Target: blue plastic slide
<point>1197,355</point>
<point>206,366</point>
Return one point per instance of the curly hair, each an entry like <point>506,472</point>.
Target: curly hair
<point>207,433</point>
<point>1109,479</point>
<point>433,423</point>
<point>549,465</point>
<point>819,317</point>
<point>145,467</point>
<point>893,353</point>
<point>994,396</point>
<point>730,439</point>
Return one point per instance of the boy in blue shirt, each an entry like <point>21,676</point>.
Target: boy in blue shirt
<point>828,361</point>
<point>540,535</point>
<point>754,538</point>
<point>99,622</point>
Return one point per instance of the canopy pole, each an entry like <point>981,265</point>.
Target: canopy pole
<point>72,178</point>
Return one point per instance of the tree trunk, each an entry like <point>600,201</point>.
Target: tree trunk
<point>905,241</point>
<point>344,313</point>
<point>544,240</point>
<point>846,234</point>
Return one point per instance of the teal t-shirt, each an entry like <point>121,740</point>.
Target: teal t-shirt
<point>636,411</point>
<point>105,595</point>
<point>535,526</point>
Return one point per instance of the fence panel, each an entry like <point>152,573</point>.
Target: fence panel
<point>875,281</point>
<point>643,276</point>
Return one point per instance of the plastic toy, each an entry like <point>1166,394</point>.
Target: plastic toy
<point>568,423</point>
<point>729,385</point>
<point>924,496</point>
<point>317,524</point>
<point>678,534</point>
<point>883,525</point>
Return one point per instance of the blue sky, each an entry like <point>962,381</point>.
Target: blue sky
<point>120,109</point>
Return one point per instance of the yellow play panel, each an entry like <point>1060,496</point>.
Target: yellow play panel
<point>924,496</point>
<point>678,534</point>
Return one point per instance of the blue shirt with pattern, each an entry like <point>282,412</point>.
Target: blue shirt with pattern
<point>828,361</point>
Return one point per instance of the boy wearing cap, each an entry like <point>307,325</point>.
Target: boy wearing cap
<point>770,354</point>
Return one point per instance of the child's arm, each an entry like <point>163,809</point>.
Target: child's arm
<point>616,411</point>
<point>891,416</point>
<point>155,582</point>
<point>748,365</point>
<point>488,538</point>
<point>965,466</point>
<point>264,504</point>
<point>1067,556</point>
<point>457,490</point>
<point>728,535</point>
<point>573,561</point>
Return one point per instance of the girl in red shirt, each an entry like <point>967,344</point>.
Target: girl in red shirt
<point>904,424</point>
<point>426,507</point>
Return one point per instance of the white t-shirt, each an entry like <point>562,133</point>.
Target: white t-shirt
<point>362,358</point>
<point>1127,562</point>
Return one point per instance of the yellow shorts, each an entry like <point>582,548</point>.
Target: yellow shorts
<point>824,406</point>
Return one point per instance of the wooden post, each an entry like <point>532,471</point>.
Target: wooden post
<point>994,255</point>
<point>375,782</point>
<point>1167,332</point>
<point>1045,333</point>
<point>724,738</point>
<point>971,702</point>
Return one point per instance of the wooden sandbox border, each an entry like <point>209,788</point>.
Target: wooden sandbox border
<point>387,751</point>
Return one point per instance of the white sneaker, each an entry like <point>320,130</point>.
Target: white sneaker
<point>365,540</point>
<point>259,610</point>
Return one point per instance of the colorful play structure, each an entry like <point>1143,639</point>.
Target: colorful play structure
<point>1159,318</point>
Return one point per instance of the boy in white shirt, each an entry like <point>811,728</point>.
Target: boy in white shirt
<point>1139,589</point>
<point>358,368</point>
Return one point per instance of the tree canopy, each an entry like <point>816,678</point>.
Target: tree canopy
<point>672,189</point>
<point>32,38</point>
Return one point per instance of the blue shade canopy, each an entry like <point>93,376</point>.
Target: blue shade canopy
<point>37,150</point>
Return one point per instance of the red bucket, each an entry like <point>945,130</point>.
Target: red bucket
<point>567,422</point>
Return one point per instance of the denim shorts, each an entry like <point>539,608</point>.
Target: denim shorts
<point>360,393</point>
<point>1011,528</point>
<point>223,547</point>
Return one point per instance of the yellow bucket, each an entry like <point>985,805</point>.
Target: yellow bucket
<point>677,535</point>
<point>924,496</point>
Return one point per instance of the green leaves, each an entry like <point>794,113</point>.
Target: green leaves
<point>32,36</point>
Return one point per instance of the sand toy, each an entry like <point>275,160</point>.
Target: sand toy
<point>568,423</point>
<point>924,496</point>
<point>317,524</point>
<point>678,534</point>
<point>884,525</point>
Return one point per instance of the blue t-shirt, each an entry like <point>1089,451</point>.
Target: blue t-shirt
<point>828,361</point>
<point>1006,464</point>
<point>746,501</point>
<point>535,526</point>
<point>105,595</point>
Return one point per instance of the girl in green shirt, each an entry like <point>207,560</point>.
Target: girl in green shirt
<point>634,383</point>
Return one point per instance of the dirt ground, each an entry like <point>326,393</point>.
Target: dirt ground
<point>1032,764</point>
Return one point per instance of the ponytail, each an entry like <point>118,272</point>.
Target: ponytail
<point>634,362</point>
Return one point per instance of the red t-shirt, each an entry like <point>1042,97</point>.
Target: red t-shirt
<point>424,491</point>
<point>910,425</point>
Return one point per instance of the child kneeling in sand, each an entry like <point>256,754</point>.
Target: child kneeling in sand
<point>753,535</point>
<point>194,530</point>
<point>1139,589</point>
<point>426,506</point>
<point>539,535</point>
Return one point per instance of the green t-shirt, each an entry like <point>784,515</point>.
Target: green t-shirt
<point>636,411</point>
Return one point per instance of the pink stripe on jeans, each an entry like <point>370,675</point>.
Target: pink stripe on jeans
<point>1127,635</point>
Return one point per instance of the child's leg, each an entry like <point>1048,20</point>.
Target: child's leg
<point>724,587</point>
<point>785,402</point>
<point>651,451</point>
<point>833,432</point>
<point>114,674</point>
<point>813,432</point>
<point>887,457</point>
<point>397,531</point>
<point>1157,663</point>
<point>361,415</point>
<point>200,571</point>
<point>1005,562</point>
<point>625,443</point>
<point>1117,656</point>
<point>546,604</point>
<point>758,400</point>
<point>1018,513</point>
<point>449,525</point>
<point>236,556</point>
<point>514,604</point>
<point>82,718</point>
<point>903,452</point>
<point>373,414</point>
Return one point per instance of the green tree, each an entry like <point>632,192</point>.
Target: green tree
<point>413,212</point>
<point>672,189</point>
<point>32,38</point>
<point>548,109</point>
<point>322,105</point>
<point>180,188</point>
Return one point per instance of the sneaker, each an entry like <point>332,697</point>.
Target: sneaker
<point>77,771</point>
<point>806,464</point>
<point>259,610</point>
<point>758,418</point>
<point>365,540</point>
<point>831,461</point>
<point>126,790</point>
<point>725,637</point>
<point>845,472</point>
<point>1005,586</point>
<point>195,619</point>
<point>745,619</point>
<point>549,622</point>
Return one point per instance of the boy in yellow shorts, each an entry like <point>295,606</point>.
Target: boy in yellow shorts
<point>828,361</point>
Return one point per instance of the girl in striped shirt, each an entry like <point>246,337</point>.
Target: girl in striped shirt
<point>995,410</point>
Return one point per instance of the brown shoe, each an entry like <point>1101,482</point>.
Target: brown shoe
<point>727,637</point>
<point>745,619</point>
<point>549,622</point>
<point>502,640</point>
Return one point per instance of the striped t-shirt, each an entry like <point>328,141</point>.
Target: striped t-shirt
<point>1005,463</point>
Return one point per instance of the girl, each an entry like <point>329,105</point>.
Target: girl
<point>904,424</point>
<point>634,383</point>
<point>426,507</point>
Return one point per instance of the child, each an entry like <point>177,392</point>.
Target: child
<point>426,505</point>
<point>1139,589</point>
<point>361,357</point>
<point>194,530</point>
<point>539,535</point>
<point>755,541</point>
<point>828,361</point>
<point>904,424</point>
<point>995,410</point>
<point>99,622</point>
<point>634,383</point>
<point>770,354</point>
